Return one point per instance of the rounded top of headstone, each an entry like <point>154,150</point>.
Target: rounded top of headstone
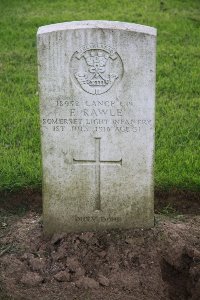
<point>114,25</point>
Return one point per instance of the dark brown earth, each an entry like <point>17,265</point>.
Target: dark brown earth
<point>162,263</point>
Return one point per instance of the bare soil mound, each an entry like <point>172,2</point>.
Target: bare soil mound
<point>162,263</point>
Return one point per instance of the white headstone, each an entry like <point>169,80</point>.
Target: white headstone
<point>97,94</point>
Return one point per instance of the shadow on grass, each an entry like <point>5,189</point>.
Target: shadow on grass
<point>19,202</point>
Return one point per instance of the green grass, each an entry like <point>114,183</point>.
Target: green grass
<point>178,83</point>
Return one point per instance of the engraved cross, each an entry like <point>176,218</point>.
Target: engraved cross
<point>97,162</point>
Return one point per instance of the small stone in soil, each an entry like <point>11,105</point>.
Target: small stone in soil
<point>62,276</point>
<point>31,279</point>
<point>37,264</point>
<point>87,283</point>
<point>73,264</point>
<point>103,280</point>
<point>80,272</point>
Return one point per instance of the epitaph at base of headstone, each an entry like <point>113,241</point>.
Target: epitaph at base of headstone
<point>97,106</point>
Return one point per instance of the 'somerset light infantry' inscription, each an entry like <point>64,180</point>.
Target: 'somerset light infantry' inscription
<point>97,94</point>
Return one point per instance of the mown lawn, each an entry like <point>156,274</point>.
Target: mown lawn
<point>178,83</point>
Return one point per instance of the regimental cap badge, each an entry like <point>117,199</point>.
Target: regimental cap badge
<point>97,69</point>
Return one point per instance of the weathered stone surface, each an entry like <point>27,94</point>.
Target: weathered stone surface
<point>97,91</point>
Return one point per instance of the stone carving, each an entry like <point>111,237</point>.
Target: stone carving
<point>97,162</point>
<point>96,69</point>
